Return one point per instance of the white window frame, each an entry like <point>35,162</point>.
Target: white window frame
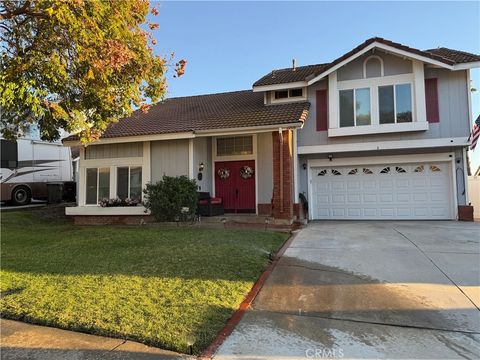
<point>116,180</point>
<point>373,84</point>
<point>98,181</point>
<point>355,107</point>
<point>289,98</point>
<point>395,103</point>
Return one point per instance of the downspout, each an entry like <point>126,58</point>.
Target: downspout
<point>280,145</point>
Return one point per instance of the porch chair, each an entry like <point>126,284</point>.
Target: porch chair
<point>208,206</point>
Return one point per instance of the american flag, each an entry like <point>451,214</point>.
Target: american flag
<point>475,134</point>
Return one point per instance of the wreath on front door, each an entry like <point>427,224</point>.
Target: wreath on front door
<point>223,173</point>
<point>246,172</point>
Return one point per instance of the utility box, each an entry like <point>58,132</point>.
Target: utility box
<point>55,192</point>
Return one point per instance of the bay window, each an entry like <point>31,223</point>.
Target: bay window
<point>129,182</point>
<point>364,103</point>
<point>98,185</point>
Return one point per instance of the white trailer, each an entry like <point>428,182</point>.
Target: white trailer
<point>28,164</point>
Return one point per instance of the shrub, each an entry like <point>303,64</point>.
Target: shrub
<point>172,198</point>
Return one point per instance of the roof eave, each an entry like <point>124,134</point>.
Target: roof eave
<point>135,138</point>
<point>384,47</point>
<point>251,129</point>
<point>280,86</point>
<point>467,65</point>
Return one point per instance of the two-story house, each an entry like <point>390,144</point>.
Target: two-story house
<point>379,133</point>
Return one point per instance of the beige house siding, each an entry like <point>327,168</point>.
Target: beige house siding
<point>168,157</point>
<point>264,167</point>
<point>110,151</point>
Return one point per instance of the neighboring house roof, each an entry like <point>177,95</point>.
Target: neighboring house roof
<point>231,110</point>
<point>457,56</point>
<point>305,73</point>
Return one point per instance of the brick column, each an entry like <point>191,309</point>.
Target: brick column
<point>282,175</point>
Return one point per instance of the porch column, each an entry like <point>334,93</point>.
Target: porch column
<point>282,175</point>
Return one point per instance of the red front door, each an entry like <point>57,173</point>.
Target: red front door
<point>238,188</point>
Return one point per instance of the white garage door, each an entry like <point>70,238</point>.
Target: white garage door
<point>392,191</point>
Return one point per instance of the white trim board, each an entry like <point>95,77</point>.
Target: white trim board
<point>378,129</point>
<point>99,211</point>
<point>282,86</point>
<point>191,135</point>
<point>139,138</point>
<point>378,160</point>
<point>383,145</point>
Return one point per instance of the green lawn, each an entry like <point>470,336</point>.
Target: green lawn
<point>165,287</point>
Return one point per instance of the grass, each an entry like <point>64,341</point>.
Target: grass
<point>167,287</point>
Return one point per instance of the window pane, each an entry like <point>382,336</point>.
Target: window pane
<point>103,183</point>
<point>403,95</point>
<point>92,187</point>
<point>296,92</point>
<point>136,183</point>
<point>240,145</point>
<point>362,103</point>
<point>122,182</point>
<point>282,94</point>
<point>346,108</point>
<point>385,103</point>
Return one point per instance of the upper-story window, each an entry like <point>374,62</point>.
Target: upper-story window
<point>370,102</point>
<point>395,103</point>
<point>355,107</point>
<point>291,93</point>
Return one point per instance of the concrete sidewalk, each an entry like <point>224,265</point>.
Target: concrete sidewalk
<point>21,341</point>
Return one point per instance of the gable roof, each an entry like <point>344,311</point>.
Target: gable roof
<point>446,56</point>
<point>230,110</point>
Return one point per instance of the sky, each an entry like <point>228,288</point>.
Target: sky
<point>230,45</point>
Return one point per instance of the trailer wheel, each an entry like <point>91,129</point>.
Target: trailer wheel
<point>21,196</point>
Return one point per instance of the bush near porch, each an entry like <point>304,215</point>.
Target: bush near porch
<point>168,198</point>
<point>167,287</point>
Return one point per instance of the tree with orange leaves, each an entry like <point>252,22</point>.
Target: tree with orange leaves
<point>77,65</point>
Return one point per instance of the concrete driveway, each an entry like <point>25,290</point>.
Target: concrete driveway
<point>368,290</point>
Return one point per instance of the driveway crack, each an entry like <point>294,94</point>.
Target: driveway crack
<point>434,264</point>
<point>117,346</point>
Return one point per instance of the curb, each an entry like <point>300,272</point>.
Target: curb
<point>210,351</point>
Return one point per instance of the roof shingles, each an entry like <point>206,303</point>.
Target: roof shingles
<point>230,110</point>
<point>304,73</point>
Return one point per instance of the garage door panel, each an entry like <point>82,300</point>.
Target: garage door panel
<point>354,198</point>
<point>404,212</point>
<point>338,199</point>
<point>402,198</point>
<point>338,212</point>
<point>402,183</point>
<point>353,212</point>
<point>392,191</point>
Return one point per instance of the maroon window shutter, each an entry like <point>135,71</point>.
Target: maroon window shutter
<point>322,110</point>
<point>431,100</point>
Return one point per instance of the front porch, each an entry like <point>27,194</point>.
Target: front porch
<point>252,173</point>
